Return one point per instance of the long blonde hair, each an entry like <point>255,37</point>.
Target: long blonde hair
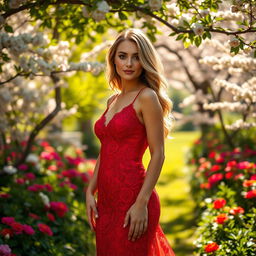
<point>152,74</point>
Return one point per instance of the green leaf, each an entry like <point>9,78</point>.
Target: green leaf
<point>8,28</point>
<point>122,16</point>
<point>179,37</point>
<point>198,40</point>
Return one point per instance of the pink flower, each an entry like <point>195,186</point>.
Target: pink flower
<point>48,187</point>
<point>7,220</point>
<point>253,177</point>
<point>45,229</point>
<point>36,187</point>
<point>245,165</point>
<point>219,203</point>
<point>52,167</point>
<point>28,229</point>
<point>59,207</point>
<point>23,167</point>
<point>20,181</point>
<point>5,250</point>
<point>30,176</point>
<point>72,173</point>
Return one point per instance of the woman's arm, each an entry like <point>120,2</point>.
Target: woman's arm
<point>153,119</point>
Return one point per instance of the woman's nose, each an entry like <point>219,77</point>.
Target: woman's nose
<point>129,62</point>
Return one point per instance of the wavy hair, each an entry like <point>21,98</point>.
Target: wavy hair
<point>152,74</point>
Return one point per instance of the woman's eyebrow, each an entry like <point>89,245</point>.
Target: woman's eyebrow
<point>126,53</point>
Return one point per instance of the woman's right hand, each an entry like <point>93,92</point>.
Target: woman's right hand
<point>91,209</point>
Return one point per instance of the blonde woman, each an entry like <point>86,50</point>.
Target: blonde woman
<point>126,214</point>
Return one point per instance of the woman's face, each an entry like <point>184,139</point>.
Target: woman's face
<point>127,61</point>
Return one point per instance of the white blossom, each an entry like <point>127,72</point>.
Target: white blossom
<point>234,42</point>
<point>45,199</point>
<point>204,12</point>
<point>240,124</point>
<point>100,12</point>
<point>173,9</point>
<point>155,5</point>
<point>32,158</point>
<point>9,169</point>
<point>198,29</point>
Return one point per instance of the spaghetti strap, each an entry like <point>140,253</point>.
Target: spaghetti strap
<point>138,94</point>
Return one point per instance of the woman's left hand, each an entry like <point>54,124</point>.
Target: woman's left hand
<point>138,215</point>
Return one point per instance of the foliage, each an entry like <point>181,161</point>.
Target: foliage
<point>47,189</point>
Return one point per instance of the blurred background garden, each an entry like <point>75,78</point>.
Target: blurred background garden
<point>53,89</point>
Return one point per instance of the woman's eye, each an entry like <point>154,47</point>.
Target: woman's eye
<point>121,56</point>
<point>137,58</point>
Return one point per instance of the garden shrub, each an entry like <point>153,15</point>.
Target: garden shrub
<point>42,204</point>
<point>223,184</point>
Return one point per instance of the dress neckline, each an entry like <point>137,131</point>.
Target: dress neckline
<point>130,104</point>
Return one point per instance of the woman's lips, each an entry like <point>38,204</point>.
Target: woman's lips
<point>128,72</point>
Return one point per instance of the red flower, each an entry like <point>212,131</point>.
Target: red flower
<point>236,210</point>
<point>50,216</point>
<point>248,183</point>
<point>4,195</point>
<point>229,175</point>
<point>7,231</point>
<point>28,229</point>
<point>212,247</point>
<point>59,207</point>
<point>34,216</point>
<point>220,160</point>
<point>212,154</point>
<point>215,168</point>
<point>250,194</point>
<point>215,178</point>
<point>219,203</point>
<point>20,181</point>
<point>205,185</point>
<point>253,177</point>
<point>221,218</point>
<point>45,229</point>
<point>17,228</point>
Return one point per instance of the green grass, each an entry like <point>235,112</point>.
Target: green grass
<point>177,206</point>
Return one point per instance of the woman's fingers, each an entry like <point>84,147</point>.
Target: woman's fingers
<point>131,230</point>
<point>89,217</point>
<point>145,226</point>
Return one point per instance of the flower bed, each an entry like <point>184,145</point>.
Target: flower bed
<point>224,186</point>
<point>42,204</point>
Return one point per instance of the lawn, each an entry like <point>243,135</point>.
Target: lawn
<point>177,206</point>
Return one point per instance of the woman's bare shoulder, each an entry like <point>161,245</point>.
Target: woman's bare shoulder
<point>111,98</point>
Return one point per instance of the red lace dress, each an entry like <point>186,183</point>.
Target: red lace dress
<point>120,177</point>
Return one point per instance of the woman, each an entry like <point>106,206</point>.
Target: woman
<point>126,218</point>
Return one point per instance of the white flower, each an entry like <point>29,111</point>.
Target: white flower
<point>85,12</point>
<point>98,15</point>
<point>234,8</point>
<point>9,169</point>
<point>234,42</point>
<point>204,12</point>
<point>155,5</point>
<point>198,29</point>
<point>103,7</point>
<point>45,199</point>
<point>208,200</point>
<point>32,158</point>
